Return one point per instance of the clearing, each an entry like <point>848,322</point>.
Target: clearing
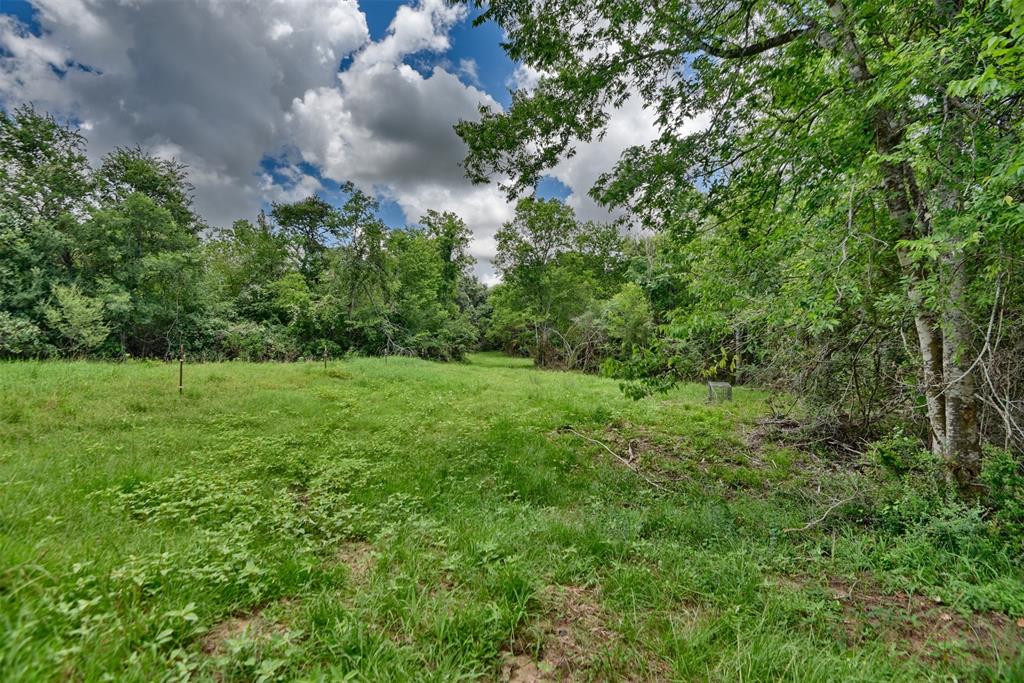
<point>405,520</point>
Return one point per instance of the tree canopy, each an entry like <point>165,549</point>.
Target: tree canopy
<point>831,177</point>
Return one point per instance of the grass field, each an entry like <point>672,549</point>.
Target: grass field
<point>406,520</point>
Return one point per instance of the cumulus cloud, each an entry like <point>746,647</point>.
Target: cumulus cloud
<point>212,80</point>
<point>388,127</point>
<point>220,85</point>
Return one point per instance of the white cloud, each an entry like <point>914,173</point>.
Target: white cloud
<point>219,84</point>
<point>468,69</point>
<point>630,125</point>
<point>414,29</point>
<point>209,78</point>
<point>388,128</point>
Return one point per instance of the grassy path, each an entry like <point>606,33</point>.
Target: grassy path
<point>405,520</point>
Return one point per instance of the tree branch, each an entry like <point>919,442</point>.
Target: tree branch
<point>757,48</point>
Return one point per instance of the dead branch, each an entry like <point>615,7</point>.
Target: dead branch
<point>618,457</point>
<point>821,519</point>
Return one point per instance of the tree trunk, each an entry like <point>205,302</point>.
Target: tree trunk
<point>930,343</point>
<point>948,386</point>
<point>962,448</point>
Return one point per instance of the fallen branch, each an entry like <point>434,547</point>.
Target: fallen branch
<point>821,519</point>
<point>618,457</point>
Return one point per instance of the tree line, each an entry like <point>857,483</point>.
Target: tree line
<point>113,261</point>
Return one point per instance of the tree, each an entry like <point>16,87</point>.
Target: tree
<point>44,173</point>
<point>130,170</point>
<point>816,110</point>
<point>451,235</point>
<point>243,260</point>
<point>553,269</point>
<point>146,267</point>
<point>138,250</point>
<point>78,319</point>
<point>363,260</point>
<point>44,183</point>
<point>310,226</point>
<point>627,318</point>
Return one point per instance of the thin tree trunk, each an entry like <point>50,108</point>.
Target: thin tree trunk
<point>930,343</point>
<point>962,451</point>
<point>948,387</point>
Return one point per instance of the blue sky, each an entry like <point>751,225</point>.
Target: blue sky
<point>270,102</point>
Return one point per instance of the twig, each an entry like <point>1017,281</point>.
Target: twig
<point>821,519</point>
<point>618,457</point>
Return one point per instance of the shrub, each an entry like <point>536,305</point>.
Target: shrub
<point>78,318</point>
<point>1003,476</point>
<point>20,337</point>
<point>899,454</point>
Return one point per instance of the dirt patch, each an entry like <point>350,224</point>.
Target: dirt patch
<point>561,645</point>
<point>643,455</point>
<point>359,557</point>
<point>923,627</point>
<point>638,444</point>
<point>771,430</point>
<point>916,625</point>
<point>252,626</point>
<point>522,669</point>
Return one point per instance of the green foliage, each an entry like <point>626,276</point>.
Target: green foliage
<point>132,171</point>
<point>20,337</point>
<point>562,298</point>
<point>308,226</point>
<point>900,453</point>
<point>829,181</point>
<point>78,319</point>
<point>1003,477</point>
<point>114,262</point>
<point>628,318</point>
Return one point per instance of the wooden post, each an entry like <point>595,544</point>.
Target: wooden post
<point>325,355</point>
<point>181,369</point>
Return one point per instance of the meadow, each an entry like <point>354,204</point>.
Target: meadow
<point>398,519</point>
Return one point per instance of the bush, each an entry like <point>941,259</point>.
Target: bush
<point>912,498</point>
<point>1003,476</point>
<point>251,341</point>
<point>20,337</point>
<point>78,318</point>
<point>900,454</point>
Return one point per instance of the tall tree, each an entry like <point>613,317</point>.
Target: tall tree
<point>546,279</point>
<point>129,170</point>
<point>451,235</point>
<point>311,225</point>
<point>44,186</point>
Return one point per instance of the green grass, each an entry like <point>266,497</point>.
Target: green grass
<point>404,520</point>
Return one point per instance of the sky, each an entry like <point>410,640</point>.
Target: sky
<point>274,100</point>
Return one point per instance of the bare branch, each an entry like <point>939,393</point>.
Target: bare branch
<point>739,52</point>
